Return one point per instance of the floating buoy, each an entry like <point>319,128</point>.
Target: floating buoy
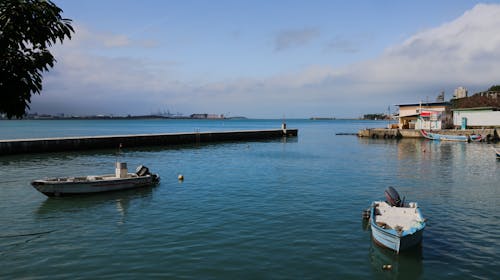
<point>180,177</point>
<point>387,267</point>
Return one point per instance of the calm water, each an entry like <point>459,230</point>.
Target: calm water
<point>288,208</point>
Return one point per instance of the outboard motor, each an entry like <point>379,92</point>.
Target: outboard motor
<point>392,197</point>
<point>142,171</point>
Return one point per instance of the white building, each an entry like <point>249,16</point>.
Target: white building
<point>431,116</point>
<point>460,92</point>
<point>476,117</point>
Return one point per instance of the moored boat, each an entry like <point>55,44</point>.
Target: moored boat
<point>476,137</point>
<point>446,137</point>
<point>121,180</point>
<point>394,224</point>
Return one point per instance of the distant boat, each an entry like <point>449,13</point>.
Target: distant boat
<point>121,180</point>
<point>446,137</point>
<point>394,224</point>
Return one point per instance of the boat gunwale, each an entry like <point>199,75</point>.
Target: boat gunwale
<point>60,181</point>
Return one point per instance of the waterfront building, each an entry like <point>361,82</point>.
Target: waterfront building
<point>430,116</point>
<point>479,117</point>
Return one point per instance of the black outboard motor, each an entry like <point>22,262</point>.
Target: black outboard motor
<point>142,171</point>
<point>392,197</point>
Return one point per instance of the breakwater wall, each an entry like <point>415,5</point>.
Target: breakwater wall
<point>44,145</point>
<point>490,134</point>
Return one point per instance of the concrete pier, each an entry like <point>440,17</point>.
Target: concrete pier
<point>44,145</point>
<point>490,134</point>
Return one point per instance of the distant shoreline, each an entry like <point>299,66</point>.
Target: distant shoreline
<point>160,117</point>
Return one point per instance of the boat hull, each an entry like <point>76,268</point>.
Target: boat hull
<point>444,137</point>
<point>453,138</point>
<point>392,239</point>
<point>65,188</point>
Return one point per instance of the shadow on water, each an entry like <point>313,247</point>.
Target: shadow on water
<point>112,153</point>
<point>87,202</point>
<point>190,146</point>
<point>405,265</point>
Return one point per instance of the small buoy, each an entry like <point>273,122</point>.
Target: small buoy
<point>387,267</point>
<point>180,177</point>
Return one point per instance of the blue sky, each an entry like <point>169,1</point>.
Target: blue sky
<point>267,59</point>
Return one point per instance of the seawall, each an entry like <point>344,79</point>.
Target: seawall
<point>60,144</point>
<point>491,134</point>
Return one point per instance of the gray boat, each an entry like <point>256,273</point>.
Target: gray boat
<point>121,180</point>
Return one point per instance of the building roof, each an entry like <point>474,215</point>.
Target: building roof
<point>410,116</point>
<point>426,104</point>
<point>477,109</point>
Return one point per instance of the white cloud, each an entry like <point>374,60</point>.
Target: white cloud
<point>463,52</point>
<point>83,38</point>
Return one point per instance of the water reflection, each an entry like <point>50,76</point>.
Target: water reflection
<point>365,224</point>
<point>406,265</point>
<point>110,155</point>
<point>371,141</point>
<point>46,158</point>
<point>120,199</point>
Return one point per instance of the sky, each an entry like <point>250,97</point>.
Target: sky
<point>268,59</point>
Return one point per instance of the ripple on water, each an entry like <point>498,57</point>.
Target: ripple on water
<point>265,209</point>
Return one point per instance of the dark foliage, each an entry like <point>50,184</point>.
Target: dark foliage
<point>27,29</point>
<point>494,88</point>
<point>375,117</point>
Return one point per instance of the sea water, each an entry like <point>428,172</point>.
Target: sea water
<point>287,208</point>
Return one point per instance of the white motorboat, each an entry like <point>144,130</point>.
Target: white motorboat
<point>121,180</point>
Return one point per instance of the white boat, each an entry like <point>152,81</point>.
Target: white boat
<point>121,180</point>
<point>396,225</point>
